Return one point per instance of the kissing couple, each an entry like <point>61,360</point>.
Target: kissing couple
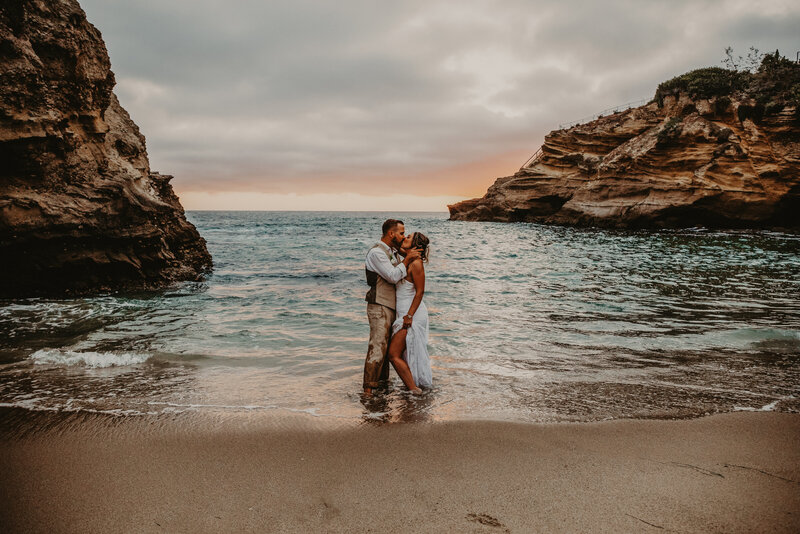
<point>398,318</point>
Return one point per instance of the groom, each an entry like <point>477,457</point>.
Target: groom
<point>384,269</point>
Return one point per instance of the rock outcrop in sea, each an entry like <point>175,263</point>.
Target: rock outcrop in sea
<point>715,148</point>
<point>80,209</point>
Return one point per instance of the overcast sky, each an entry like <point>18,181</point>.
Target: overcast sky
<point>263,104</point>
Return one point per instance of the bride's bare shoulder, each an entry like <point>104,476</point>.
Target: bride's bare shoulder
<point>416,266</point>
<point>416,269</point>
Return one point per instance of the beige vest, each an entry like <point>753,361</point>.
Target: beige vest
<point>381,291</point>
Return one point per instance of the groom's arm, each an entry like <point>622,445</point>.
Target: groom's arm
<point>379,263</point>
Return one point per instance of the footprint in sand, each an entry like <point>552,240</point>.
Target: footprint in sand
<point>489,521</point>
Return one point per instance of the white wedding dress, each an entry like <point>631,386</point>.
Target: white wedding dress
<point>416,354</point>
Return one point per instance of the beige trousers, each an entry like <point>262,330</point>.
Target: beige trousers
<point>376,366</point>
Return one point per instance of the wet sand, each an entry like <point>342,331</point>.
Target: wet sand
<point>725,473</point>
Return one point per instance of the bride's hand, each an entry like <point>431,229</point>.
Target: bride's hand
<point>406,321</point>
<point>410,255</point>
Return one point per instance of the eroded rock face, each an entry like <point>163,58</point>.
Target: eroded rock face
<point>80,209</point>
<point>688,163</point>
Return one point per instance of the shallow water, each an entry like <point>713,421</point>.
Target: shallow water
<point>528,323</point>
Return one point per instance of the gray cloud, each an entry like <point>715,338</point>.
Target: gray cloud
<point>283,96</point>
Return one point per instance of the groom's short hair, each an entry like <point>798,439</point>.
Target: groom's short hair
<point>390,224</point>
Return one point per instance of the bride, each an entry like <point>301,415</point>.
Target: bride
<point>408,348</point>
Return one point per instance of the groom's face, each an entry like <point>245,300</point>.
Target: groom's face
<point>398,235</point>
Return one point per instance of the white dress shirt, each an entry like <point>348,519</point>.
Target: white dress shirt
<point>378,262</point>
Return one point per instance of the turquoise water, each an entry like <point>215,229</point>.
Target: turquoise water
<point>528,323</point>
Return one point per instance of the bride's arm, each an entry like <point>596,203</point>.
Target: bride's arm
<point>417,272</point>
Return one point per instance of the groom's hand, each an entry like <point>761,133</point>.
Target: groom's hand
<point>413,254</point>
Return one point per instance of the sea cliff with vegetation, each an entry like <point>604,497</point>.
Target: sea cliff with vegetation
<point>715,147</point>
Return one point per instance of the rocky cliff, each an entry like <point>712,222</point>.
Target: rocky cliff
<point>80,209</point>
<point>702,153</point>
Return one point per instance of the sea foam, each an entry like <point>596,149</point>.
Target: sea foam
<point>87,359</point>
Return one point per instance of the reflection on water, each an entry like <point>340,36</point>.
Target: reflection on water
<point>528,323</point>
<point>398,405</point>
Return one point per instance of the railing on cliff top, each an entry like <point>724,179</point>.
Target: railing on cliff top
<point>532,158</point>
<point>615,109</point>
<point>566,125</point>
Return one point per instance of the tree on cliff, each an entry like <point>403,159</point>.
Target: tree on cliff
<point>749,63</point>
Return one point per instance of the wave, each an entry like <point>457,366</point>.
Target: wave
<point>87,359</point>
<point>771,407</point>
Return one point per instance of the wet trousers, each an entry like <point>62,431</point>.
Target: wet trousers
<point>376,366</point>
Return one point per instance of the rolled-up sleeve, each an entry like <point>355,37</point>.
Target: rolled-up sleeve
<point>378,262</point>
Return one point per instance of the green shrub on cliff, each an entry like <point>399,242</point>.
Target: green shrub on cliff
<point>703,83</point>
<point>671,130</point>
<point>773,85</point>
<point>776,83</point>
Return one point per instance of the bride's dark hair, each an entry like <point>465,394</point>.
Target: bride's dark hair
<point>421,241</point>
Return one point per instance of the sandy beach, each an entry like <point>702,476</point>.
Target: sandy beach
<point>586,221</point>
<point>725,473</point>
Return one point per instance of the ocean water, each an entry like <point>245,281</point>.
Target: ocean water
<point>528,323</point>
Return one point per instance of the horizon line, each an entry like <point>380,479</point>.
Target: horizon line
<point>326,211</point>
